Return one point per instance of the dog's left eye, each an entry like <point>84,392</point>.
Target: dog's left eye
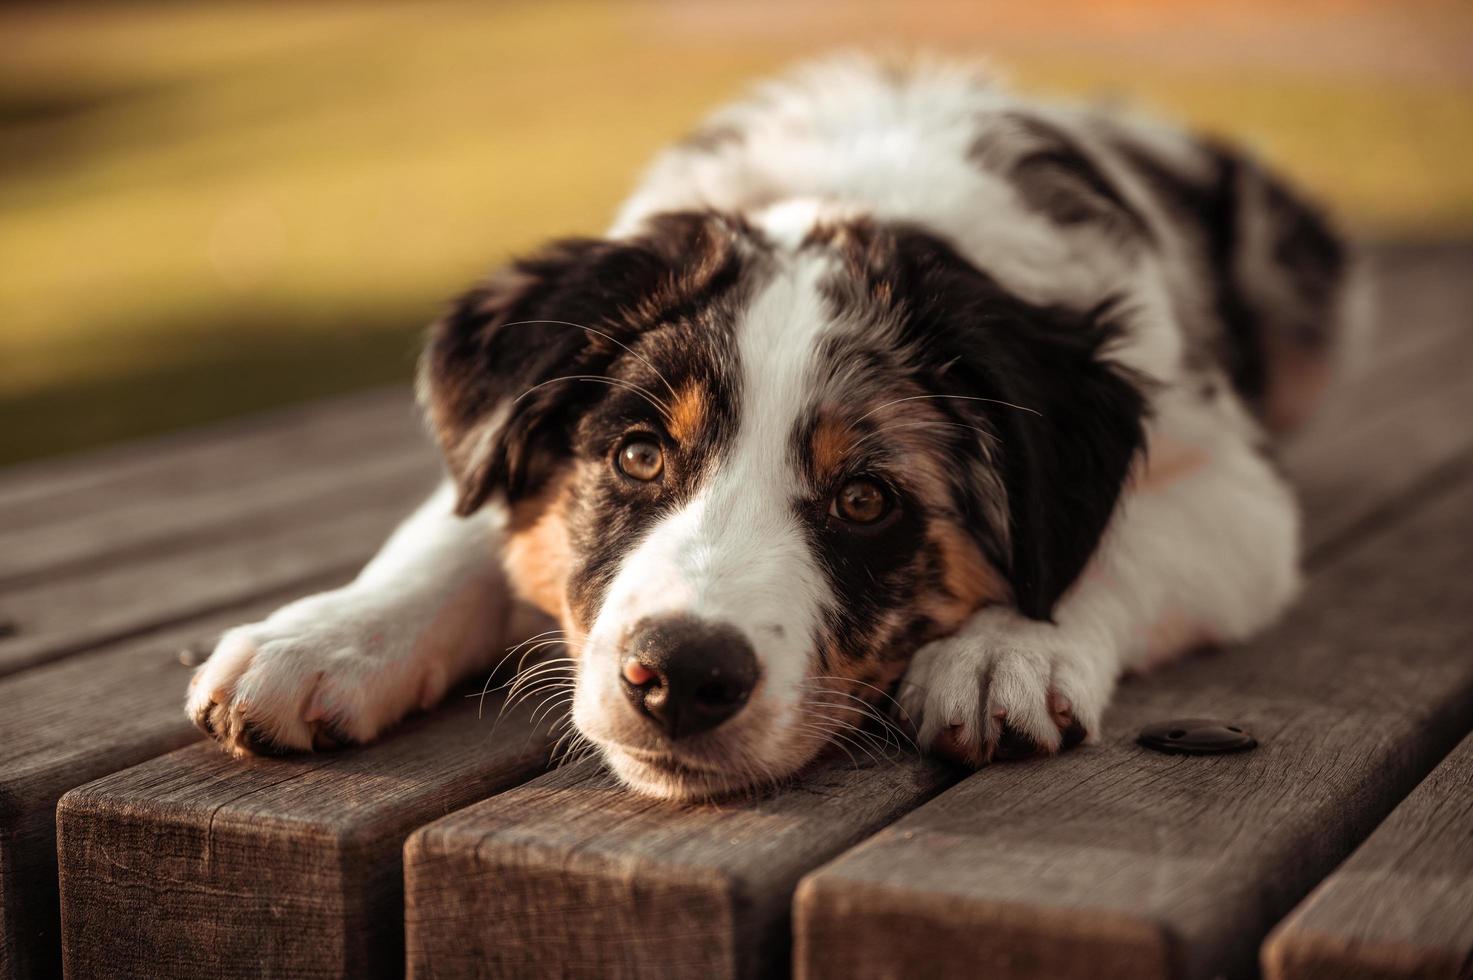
<point>641,458</point>
<point>860,501</point>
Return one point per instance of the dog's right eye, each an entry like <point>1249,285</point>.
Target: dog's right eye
<point>860,501</point>
<point>640,458</point>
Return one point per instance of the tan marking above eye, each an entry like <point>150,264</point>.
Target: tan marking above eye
<point>688,414</point>
<point>860,501</point>
<point>832,443</point>
<point>641,458</point>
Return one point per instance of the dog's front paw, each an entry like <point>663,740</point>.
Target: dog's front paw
<point>1006,687</point>
<point>320,673</point>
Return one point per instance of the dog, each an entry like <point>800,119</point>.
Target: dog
<point>888,392</point>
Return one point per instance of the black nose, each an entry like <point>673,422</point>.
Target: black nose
<point>686,674</point>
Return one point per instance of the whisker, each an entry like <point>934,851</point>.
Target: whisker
<point>643,392</point>
<point>610,339</point>
<point>842,738</point>
<point>539,675</point>
<point>873,687</point>
<point>513,700</point>
<point>557,746</point>
<point>892,735</point>
<point>486,688</point>
<point>511,650</point>
<point>541,666</point>
<point>829,736</point>
<point>988,437</point>
<point>867,709</point>
<point>892,731</point>
<point>525,672</point>
<point>554,700</point>
<point>967,398</point>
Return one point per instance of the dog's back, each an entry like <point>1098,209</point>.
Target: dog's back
<point>1254,276</point>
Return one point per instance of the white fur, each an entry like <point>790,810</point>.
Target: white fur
<point>843,132</point>
<point>427,610</point>
<point>735,553</point>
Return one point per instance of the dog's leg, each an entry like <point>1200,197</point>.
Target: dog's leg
<point>1203,549</point>
<point>341,666</point>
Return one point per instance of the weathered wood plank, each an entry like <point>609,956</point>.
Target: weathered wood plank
<point>1116,861</point>
<point>198,864</point>
<point>279,546</point>
<point>257,448</point>
<point>198,523</point>
<point>1402,905</point>
<point>573,876</point>
<point>170,518</point>
<point>66,724</point>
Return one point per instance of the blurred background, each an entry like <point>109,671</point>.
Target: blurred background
<point>208,208</point>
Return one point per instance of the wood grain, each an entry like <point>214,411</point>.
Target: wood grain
<point>278,548</point>
<point>1402,905</point>
<point>66,724</point>
<point>240,451</point>
<point>573,876</point>
<point>196,864</point>
<point>171,517</point>
<point>1117,861</point>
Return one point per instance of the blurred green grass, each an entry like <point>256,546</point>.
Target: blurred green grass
<point>207,209</point>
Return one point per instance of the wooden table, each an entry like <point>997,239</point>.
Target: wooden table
<point>1342,846</point>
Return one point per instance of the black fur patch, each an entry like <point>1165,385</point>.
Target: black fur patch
<point>1053,173</point>
<point>1274,267</point>
<point>1063,423</point>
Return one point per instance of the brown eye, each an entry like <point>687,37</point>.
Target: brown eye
<point>860,502</point>
<point>641,459</point>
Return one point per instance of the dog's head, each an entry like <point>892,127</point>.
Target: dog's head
<point>751,476</point>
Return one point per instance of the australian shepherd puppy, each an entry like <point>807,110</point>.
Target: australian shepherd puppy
<point>885,385</point>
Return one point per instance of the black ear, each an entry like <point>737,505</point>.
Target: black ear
<point>1276,270</point>
<point>1065,466</point>
<point>489,376</point>
<point>479,372</point>
<point>1067,423</point>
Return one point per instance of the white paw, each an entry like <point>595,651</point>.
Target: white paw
<point>329,670</point>
<point>1006,687</point>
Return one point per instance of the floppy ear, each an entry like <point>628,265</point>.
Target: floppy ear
<point>1064,467</point>
<point>499,380</point>
<point>1066,422</point>
<point>483,354</point>
<point>1277,272</point>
